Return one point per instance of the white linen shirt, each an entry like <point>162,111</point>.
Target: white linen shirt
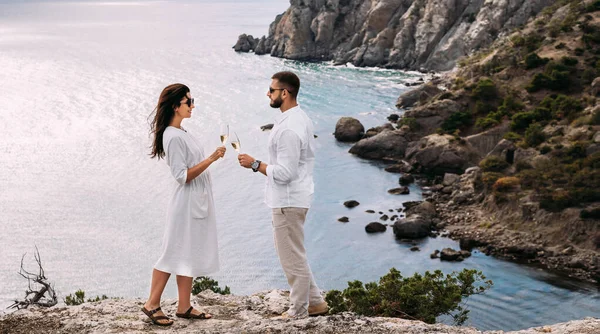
<point>291,161</point>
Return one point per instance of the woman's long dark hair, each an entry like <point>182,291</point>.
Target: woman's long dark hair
<point>163,115</point>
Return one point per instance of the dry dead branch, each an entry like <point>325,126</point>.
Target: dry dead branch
<point>44,295</point>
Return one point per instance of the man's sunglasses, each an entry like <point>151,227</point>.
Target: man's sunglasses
<point>272,90</point>
<point>189,102</point>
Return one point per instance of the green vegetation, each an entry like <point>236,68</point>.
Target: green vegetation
<point>422,297</point>
<point>79,298</point>
<point>493,164</point>
<point>532,60</point>
<point>411,122</point>
<point>457,120</point>
<point>206,283</point>
<point>535,80</point>
<point>485,90</point>
<point>534,135</point>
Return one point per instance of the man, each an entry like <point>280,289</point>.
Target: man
<point>289,191</point>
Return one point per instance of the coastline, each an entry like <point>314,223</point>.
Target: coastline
<point>236,314</point>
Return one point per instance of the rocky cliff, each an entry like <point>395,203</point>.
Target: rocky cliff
<point>401,34</point>
<point>525,112</point>
<point>234,314</point>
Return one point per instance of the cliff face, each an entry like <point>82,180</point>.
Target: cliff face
<point>402,34</point>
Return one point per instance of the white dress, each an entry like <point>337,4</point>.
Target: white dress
<point>190,239</point>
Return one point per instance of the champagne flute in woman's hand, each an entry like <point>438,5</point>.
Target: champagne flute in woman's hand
<point>237,145</point>
<point>224,133</point>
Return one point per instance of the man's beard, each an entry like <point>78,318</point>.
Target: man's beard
<point>276,103</point>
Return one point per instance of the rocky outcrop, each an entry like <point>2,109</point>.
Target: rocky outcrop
<point>348,129</point>
<point>255,314</point>
<point>384,145</point>
<point>375,227</point>
<point>428,118</point>
<point>422,93</point>
<point>402,34</point>
<point>439,154</point>
<point>245,43</point>
<point>524,232</point>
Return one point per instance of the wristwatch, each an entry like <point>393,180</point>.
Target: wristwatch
<point>255,164</point>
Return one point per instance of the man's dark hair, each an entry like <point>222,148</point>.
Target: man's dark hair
<point>290,82</point>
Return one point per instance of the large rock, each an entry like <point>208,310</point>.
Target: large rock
<point>375,227</point>
<point>245,43</point>
<point>486,141</point>
<point>413,227</point>
<point>429,117</point>
<point>384,145</point>
<point>439,154</point>
<point>422,93</point>
<point>378,129</point>
<point>424,209</point>
<point>348,129</point>
<point>404,34</point>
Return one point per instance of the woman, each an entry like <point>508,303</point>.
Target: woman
<point>190,240</point>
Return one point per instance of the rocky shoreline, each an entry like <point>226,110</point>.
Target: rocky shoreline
<point>255,314</point>
<point>466,219</point>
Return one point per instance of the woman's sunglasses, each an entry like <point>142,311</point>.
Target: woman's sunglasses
<point>189,102</point>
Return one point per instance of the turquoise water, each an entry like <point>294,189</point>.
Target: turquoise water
<point>77,83</point>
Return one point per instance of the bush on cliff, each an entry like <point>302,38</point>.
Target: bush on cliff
<point>206,283</point>
<point>532,60</point>
<point>421,297</point>
<point>485,90</point>
<point>534,135</point>
<point>493,164</point>
<point>457,121</point>
<point>79,298</point>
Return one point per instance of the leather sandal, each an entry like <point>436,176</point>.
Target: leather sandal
<point>156,318</point>
<point>189,315</point>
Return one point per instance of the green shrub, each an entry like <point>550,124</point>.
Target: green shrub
<point>486,123</point>
<point>512,136</point>
<point>423,297</point>
<point>565,107</point>
<point>534,135</point>
<point>569,61</point>
<point>588,76</point>
<point>493,164</point>
<point>557,200</point>
<point>485,90</point>
<point>556,80</point>
<point>206,283</point>
<point>579,52</point>
<point>532,60</point>
<point>522,120</point>
<point>79,298</point>
<point>560,46</point>
<point>457,120</point>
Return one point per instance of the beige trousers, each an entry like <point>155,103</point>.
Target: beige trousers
<point>288,232</point>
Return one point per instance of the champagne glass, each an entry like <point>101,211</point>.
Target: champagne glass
<point>237,145</point>
<point>224,133</point>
